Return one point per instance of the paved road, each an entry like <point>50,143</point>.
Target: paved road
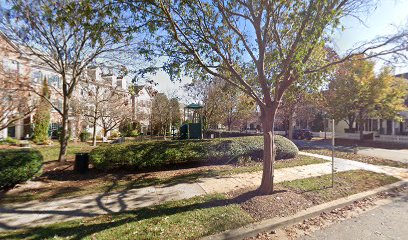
<point>400,155</point>
<point>385,222</point>
<point>396,155</point>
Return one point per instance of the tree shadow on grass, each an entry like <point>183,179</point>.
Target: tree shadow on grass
<point>105,222</point>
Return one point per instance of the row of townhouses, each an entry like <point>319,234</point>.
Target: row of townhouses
<point>19,66</point>
<point>386,130</point>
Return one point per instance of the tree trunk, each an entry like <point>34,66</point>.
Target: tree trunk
<point>94,133</point>
<point>361,127</point>
<point>290,128</point>
<point>268,120</point>
<point>351,122</point>
<point>64,137</point>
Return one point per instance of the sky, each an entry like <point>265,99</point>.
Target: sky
<point>383,20</point>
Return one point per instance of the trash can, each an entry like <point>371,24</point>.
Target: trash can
<point>81,162</point>
<point>368,136</point>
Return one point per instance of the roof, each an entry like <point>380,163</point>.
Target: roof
<point>194,106</point>
<point>7,39</point>
<point>402,75</point>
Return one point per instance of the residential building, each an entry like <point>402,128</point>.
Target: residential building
<point>13,58</point>
<point>383,129</point>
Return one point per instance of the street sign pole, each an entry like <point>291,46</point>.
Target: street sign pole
<point>332,153</point>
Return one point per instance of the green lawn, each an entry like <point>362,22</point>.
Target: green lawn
<point>345,184</point>
<point>196,217</point>
<point>185,219</point>
<point>50,153</point>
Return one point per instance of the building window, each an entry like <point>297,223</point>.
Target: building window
<point>10,66</point>
<point>54,126</point>
<point>54,81</point>
<point>36,77</point>
<point>11,131</point>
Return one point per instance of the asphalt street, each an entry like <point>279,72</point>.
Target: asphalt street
<point>384,222</point>
<point>400,155</point>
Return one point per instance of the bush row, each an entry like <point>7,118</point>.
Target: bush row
<point>161,153</point>
<point>18,165</point>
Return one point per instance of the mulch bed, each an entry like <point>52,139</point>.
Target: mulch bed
<point>282,203</point>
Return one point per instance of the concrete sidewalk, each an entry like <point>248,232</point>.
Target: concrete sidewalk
<point>340,163</point>
<point>14,216</point>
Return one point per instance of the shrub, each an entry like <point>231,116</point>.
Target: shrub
<point>162,153</point>
<point>127,127</point>
<point>114,134</point>
<point>134,133</point>
<point>42,117</point>
<point>9,140</point>
<point>19,165</point>
<point>84,136</point>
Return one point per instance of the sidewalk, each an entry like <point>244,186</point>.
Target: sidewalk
<point>340,163</point>
<point>14,216</point>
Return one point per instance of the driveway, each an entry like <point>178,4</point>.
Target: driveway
<point>396,155</point>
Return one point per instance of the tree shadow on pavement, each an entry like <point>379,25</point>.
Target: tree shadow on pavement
<point>105,222</point>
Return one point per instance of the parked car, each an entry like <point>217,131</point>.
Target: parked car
<point>302,134</point>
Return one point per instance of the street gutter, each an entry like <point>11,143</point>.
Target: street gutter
<point>268,225</point>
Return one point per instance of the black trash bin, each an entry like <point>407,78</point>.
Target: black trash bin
<point>368,136</point>
<point>81,162</point>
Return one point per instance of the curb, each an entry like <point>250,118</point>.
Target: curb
<point>253,229</point>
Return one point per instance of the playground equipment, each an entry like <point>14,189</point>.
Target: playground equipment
<point>193,122</point>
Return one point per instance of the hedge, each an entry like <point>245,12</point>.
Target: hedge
<point>161,153</point>
<point>18,165</point>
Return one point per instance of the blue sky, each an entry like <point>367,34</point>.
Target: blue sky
<point>384,20</point>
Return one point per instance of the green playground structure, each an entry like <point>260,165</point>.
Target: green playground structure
<point>193,122</point>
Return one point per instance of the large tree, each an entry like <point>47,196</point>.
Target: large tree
<point>160,113</point>
<point>260,47</point>
<point>357,93</point>
<point>65,36</point>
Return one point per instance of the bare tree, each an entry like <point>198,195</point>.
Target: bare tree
<point>95,101</point>
<point>15,104</point>
<point>65,37</point>
<point>114,112</point>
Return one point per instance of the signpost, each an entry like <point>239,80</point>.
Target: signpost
<point>332,153</point>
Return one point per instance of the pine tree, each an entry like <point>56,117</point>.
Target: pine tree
<point>42,116</point>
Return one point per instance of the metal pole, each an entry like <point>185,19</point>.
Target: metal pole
<point>332,152</point>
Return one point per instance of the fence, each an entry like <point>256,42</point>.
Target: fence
<point>356,136</point>
<point>392,138</point>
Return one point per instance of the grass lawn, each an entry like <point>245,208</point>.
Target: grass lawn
<point>56,183</point>
<point>50,153</point>
<point>359,158</point>
<point>345,184</point>
<point>201,216</point>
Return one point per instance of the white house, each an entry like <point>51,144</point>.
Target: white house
<point>383,129</point>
